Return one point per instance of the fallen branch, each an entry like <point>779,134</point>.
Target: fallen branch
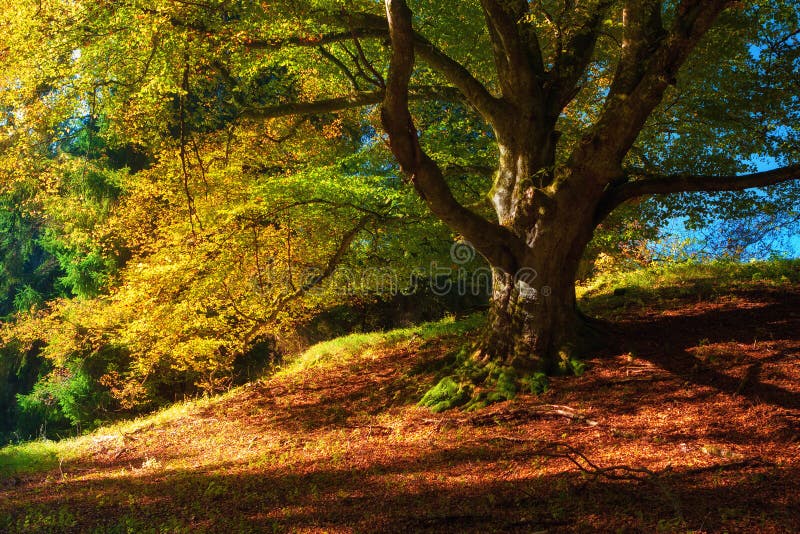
<point>541,410</point>
<point>730,466</point>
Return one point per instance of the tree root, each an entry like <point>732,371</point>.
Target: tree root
<point>541,410</point>
<point>624,472</point>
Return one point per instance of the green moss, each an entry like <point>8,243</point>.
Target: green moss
<point>473,386</point>
<point>536,383</point>
<point>445,395</point>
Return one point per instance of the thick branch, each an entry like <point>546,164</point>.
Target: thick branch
<point>573,62</point>
<point>517,55</point>
<point>642,33</point>
<point>601,152</point>
<point>315,40</point>
<point>654,184</point>
<point>474,91</point>
<point>498,244</point>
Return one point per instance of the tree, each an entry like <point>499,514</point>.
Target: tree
<point>590,105</point>
<point>547,206</point>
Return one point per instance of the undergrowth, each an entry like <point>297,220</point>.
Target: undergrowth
<point>723,274</point>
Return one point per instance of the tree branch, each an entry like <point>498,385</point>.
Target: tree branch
<point>600,153</point>
<point>315,40</point>
<point>518,57</point>
<point>642,33</point>
<point>454,72</point>
<point>573,62</point>
<point>341,66</point>
<point>344,245</point>
<point>367,25</point>
<point>495,242</point>
<point>331,105</point>
<point>655,184</point>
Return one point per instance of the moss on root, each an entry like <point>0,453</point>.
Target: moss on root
<point>472,385</point>
<point>445,395</point>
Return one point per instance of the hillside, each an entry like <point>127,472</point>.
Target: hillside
<point>691,422</point>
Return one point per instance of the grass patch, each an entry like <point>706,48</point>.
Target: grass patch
<point>34,456</point>
<point>343,349</point>
<point>724,275</point>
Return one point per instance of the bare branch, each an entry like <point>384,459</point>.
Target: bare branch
<point>376,77</point>
<point>329,105</point>
<point>655,184</point>
<point>359,68</point>
<point>344,245</point>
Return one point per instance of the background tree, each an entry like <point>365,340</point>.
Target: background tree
<point>188,242</point>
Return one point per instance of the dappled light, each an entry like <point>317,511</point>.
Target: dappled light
<point>399,266</point>
<point>344,446</point>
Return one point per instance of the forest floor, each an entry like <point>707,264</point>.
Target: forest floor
<point>691,422</point>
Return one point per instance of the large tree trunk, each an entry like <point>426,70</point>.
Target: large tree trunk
<point>534,324</point>
<point>531,326</point>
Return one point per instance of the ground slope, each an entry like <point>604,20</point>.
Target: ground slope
<point>699,403</point>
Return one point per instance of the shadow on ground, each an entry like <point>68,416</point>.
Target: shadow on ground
<point>412,494</point>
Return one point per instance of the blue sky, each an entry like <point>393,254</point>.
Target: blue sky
<point>676,230</point>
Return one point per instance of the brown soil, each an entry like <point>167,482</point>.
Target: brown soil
<point>699,406</point>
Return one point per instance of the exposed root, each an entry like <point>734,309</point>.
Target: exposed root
<point>562,450</point>
<point>542,410</point>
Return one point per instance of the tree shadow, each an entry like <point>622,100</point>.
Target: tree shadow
<point>434,491</point>
<point>395,378</point>
<point>666,340</point>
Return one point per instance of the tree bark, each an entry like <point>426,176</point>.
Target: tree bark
<point>531,327</point>
<point>534,324</point>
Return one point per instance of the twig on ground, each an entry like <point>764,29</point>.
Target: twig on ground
<point>541,410</point>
